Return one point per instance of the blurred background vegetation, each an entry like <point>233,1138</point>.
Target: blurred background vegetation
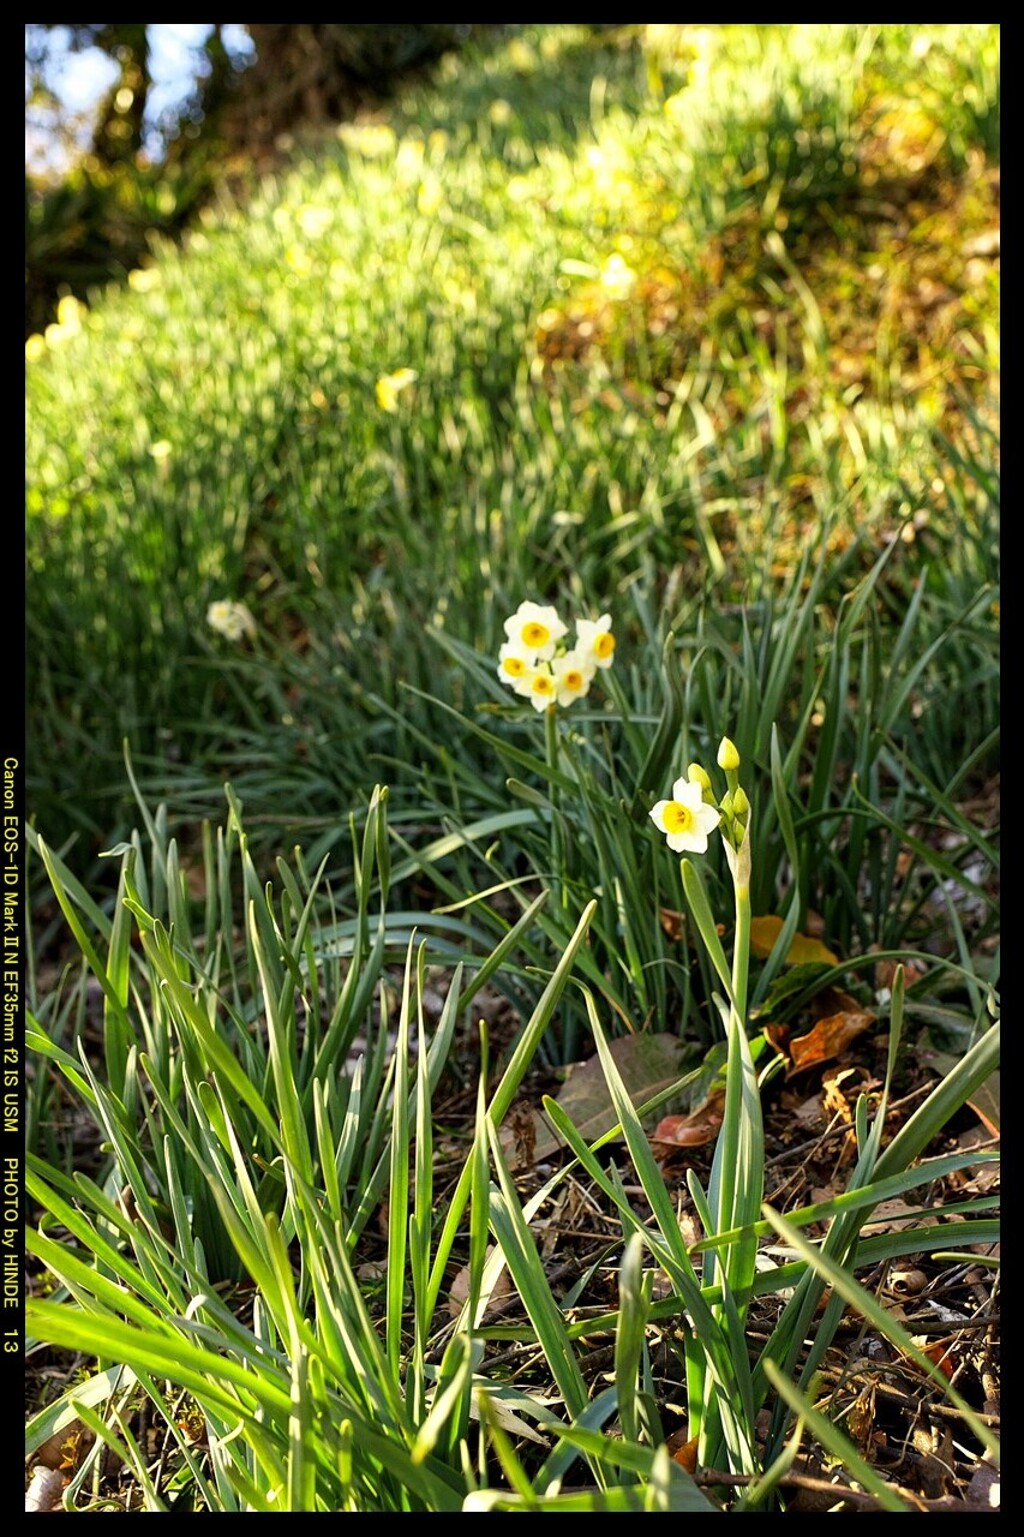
<point>122,171</point>
<point>682,304</point>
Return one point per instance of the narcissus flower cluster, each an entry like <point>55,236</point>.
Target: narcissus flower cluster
<point>537,662</point>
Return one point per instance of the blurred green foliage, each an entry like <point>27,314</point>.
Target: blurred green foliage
<point>99,222</point>
<point>677,300</point>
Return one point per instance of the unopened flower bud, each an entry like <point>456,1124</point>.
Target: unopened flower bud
<point>728,757</point>
<point>698,776</point>
<point>740,803</point>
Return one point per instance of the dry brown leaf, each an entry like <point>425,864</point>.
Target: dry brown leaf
<point>694,1130</point>
<point>810,1114</point>
<point>646,1062</point>
<point>934,1447</point>
<point>778,1036</point>
<point>503,1294</point>
<point>686,1456</point>
<point>885,973</point>
<point>803,949</point>
<point>518,1137</point>
<point>828,1038</point>
<point>690,1228</point>
<point>890,1217</point>
<point>861,1419</point>
<point>45,1489</point>
<point>985,1104</point>
<point>939,1352</point>
<point>983,1490</point>
<point>834,1099</point>
<point>66,1448</point>
<point>672,923</point>
<point>372,1270</point>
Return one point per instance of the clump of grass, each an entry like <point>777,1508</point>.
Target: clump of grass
<point>247,1149</point>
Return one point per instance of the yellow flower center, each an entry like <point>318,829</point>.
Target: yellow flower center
<point>515,666</point>
<point>604,645</point>
<point>543,683</point>
<point>677,817</point>
<point>535,634</point>
<point>573,680</point>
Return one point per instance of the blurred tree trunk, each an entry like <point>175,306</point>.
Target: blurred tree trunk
<point>120,122</point>
<point>320,72</point>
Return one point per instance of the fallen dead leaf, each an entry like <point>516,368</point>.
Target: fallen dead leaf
<point>885,973</point>
<point>828,1038</point>
<point>372,1270</point>
<point>985,1103</point>
<point>890,1217</point>
<point>503,1294</point>
<point>985,1099</point>
<point>834,1099</point>
<point>778,1036</point>
<point>983,1489</point>
<point>646,1062</point>
<point>934,1447</point>
<point>685,1453</point>
<point>803,949</point>
<point>672,922</point>
<point>939,1352</point>
<point>518,1137</point>
<point>694,1130</point>
<point>45,1489</point>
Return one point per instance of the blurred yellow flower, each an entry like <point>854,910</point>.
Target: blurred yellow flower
<point>298,260</point>
<point>68,323</point>
<point>144,279</point>
<point>543,689</point>
<point>389,386</point>
<point>521,56</point>
<point>617,277</point>
<point>70,311</point>
<point>370,139</point>
<point>430,196</point>
<point>35,346</point>
<point>314,221</point>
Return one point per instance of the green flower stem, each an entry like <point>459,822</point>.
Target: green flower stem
<point>728,1172</point>
<point>557,840</point>
<point>741,952</point>
<point>741,1159</point>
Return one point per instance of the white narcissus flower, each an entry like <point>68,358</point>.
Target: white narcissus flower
<point>535,628</point>
<point>573,674</point>
<point>232,620</point>
<point>594,639</point>
<point>685,819</point>
<point>516,667</point>
<point>543,688</point>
